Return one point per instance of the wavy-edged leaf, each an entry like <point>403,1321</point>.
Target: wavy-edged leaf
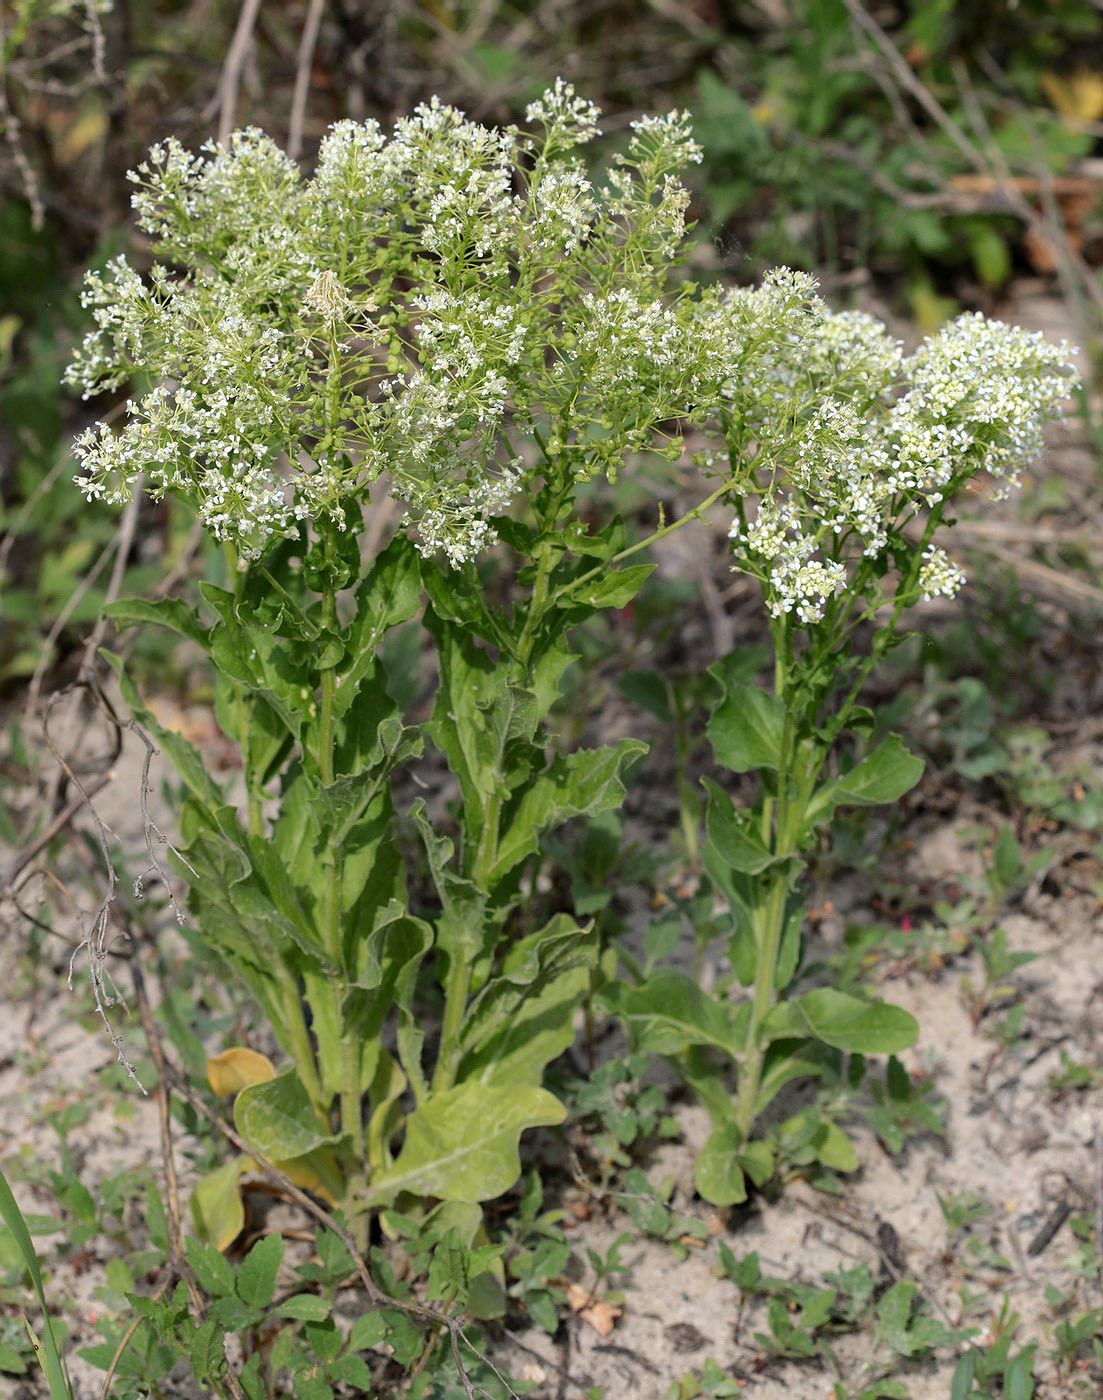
<point>524,1018</point>
<point>670,1012</point>
<point>462,1144</point>
<point>584,783</point>
<point>883,776</point>
<point>389,595</point>
<point>276,1118</point>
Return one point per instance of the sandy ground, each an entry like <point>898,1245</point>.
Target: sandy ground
<point>1009,1140</point>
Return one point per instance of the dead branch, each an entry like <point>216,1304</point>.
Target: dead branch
<point>230,81</point>
<point>303,70</point>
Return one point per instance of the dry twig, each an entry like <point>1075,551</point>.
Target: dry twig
<point>230,81</point>
<point>303,70</point>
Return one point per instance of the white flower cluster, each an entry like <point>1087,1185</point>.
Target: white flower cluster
<point>844,438</point>
<point>798,582</point>
<point>568,119</point>
<point>939,576</point>
<point>422,303</point>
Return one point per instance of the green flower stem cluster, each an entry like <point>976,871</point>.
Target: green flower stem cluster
<point>847,455</point>
<point>462,316</point>
<point>459,315</point>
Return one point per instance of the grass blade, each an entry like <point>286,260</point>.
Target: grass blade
<point>49,1356</point>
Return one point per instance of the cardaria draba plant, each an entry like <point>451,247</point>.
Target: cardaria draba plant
<point>847,454</point>
<point>455,314</point>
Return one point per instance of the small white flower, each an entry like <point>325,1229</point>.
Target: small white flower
<point>939,576</point>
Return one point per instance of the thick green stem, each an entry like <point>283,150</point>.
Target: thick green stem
<point>457,988</point>
<point>768,945</point>
<point>457,983</point>
<point>241,708</point>
<point>301,1047</point>
<point>332,933</point>
<point>787,814</point>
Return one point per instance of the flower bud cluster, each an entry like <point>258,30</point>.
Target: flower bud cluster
<point>433,304</point>
<point>846,439</point>
<point>457,306</point>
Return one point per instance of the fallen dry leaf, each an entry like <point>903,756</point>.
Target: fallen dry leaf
<point>600,1315</point>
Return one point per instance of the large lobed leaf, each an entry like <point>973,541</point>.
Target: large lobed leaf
<point>462,1144</point>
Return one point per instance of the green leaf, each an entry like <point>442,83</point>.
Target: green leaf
<point>368,1331</point>
<point>211,1269</point>
<point>524,1018</point>
<point>584,783</point>
<point>172,613</point>
<point>206,1353</point>
<point>462,1144</point>
<point>785,1061</point>
<point>612,590</point>
<point>843,1021</point>
<point>649,691</point>
<point>834,1149</point>
<point>718,1175</point>
<point>341,805</point>
<point>757,1160</point>
<point>389,595</point>
<point>670,1012</point>
<point>454,600</point>
<point>11,1363</point>
<point>882,776</point>
<point>305,1307</point>
<point>461,930</point>
<point>733,840</point>
<point>483,724</point>
<point>277,1120</point>
<point>746,729</point>
<point>354,1371</point>
<point>256,1278</point>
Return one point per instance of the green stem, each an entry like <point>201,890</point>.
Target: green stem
<point>457,988</point>
<point>770,929</point>
<point>457,982</point>
<point>301,1047</point>
<point>794,792</point>
<point>352,1122</point>
<point>241,710</point>
<point>660,534</point>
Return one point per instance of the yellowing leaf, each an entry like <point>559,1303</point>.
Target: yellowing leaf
<point>302,1173</point>
<point>462,1144</point>
<point>237,1068</point>
<point>89,128</point>
<point>216,1204</point>
<point>1078,96</point>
